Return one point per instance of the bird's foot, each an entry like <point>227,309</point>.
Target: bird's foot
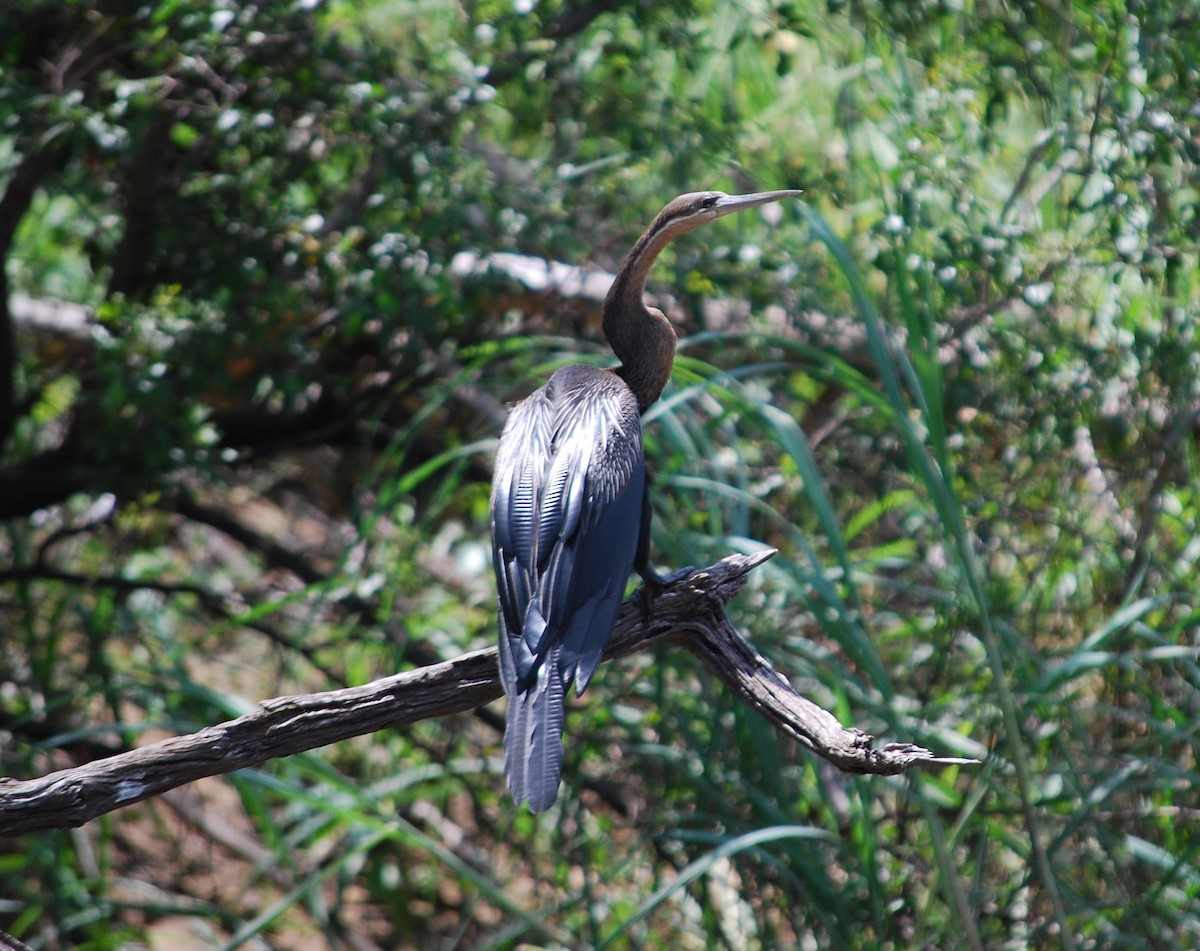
<point>678,575</point>
<point>655,584</point>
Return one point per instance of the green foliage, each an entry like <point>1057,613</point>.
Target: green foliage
<point>958,392</point>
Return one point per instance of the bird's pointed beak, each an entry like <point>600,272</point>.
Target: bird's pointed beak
<point>728,204</point>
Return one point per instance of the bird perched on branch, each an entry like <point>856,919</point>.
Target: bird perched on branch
<point>570,510</point>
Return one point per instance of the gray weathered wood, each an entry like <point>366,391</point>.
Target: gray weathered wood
<point>690,612</point>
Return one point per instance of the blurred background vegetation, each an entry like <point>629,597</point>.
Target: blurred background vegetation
<point>257,334</point>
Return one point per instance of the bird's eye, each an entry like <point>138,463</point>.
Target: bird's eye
<point>709,201</point>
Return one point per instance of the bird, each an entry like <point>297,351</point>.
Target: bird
<point>570,510</point>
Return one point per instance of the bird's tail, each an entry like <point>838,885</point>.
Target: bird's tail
<point>533,749</point>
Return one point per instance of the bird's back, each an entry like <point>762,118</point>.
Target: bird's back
<point>567,501</point>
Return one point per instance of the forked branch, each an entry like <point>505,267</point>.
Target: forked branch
<point>690,612</point>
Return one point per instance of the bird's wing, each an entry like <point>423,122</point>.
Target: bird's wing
<point>566,513</point>
<point>566,517</point>
<point>522,457</point>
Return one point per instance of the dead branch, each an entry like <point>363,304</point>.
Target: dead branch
<point>690,612</point>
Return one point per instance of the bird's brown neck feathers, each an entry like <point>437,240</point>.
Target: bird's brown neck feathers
<point>642,337</point>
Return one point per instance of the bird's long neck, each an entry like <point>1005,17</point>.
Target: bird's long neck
<point>641,337</point>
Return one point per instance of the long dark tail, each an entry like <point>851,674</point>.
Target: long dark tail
<point>533,748</point>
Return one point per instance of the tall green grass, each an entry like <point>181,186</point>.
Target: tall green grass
<point>933,650</point>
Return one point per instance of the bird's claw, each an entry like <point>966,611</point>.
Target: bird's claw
<point>678,575</point>
<point>655,584</point>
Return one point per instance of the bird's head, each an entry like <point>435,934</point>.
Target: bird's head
<point>690,211</point>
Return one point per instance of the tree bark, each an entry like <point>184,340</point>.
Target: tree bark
<point>33,169</point>
<point>689,612</point>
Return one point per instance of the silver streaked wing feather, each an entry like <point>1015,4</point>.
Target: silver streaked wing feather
<point>566,517</point>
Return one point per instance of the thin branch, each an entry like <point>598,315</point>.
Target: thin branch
<point>42,572</point>
<point>570,22</point>
<point>276,554</point>
<point>690,612</point>
<point>224,607</point>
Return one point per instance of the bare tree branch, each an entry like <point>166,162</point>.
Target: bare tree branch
<point>690,612</point>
